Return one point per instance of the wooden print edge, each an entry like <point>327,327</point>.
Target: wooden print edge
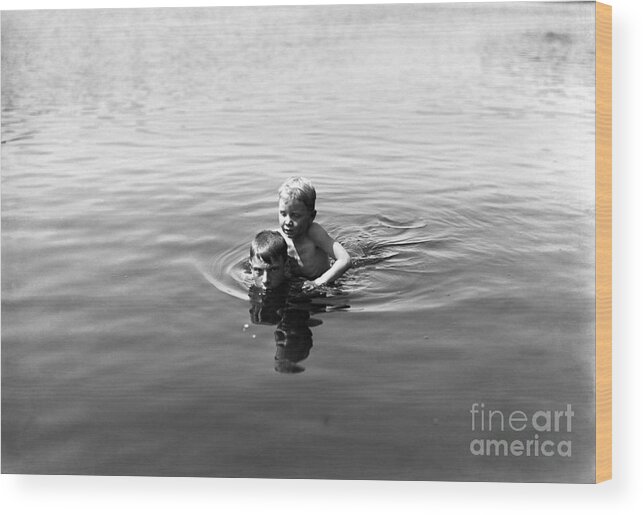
<point>603,242</point>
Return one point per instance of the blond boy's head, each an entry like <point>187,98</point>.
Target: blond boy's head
<point>301,189</point>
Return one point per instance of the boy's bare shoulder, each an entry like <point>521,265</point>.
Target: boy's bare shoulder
<point>316,231</point>
<point>320,238</point>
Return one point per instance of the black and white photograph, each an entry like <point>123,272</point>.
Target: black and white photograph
<point>350,242</point>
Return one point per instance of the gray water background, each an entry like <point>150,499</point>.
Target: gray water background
<point>142,150</point>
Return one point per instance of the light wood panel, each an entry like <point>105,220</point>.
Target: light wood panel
<point>603,242</point>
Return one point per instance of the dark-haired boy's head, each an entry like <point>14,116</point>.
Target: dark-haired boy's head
<point>268,258</point>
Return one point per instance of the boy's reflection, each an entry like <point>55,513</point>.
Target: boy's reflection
<point>293,336</point>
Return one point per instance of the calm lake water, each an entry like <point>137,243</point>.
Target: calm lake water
<point>452,148</point>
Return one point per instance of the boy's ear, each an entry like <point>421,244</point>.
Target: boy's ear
<point>313,214</point>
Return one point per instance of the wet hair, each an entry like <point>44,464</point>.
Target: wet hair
<point>269,246</point>
<point>299,188</point>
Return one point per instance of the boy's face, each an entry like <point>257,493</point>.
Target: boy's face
<point>267,275</point>
<point>294,217</point>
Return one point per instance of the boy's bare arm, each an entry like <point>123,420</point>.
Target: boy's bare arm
<point>334,249</point>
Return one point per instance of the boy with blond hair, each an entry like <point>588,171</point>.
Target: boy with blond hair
<point>309,245</point>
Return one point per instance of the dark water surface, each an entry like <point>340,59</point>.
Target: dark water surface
<point>452,151</point>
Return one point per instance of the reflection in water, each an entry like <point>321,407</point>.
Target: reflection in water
<point>294,340</point>
<point>290,309</point>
